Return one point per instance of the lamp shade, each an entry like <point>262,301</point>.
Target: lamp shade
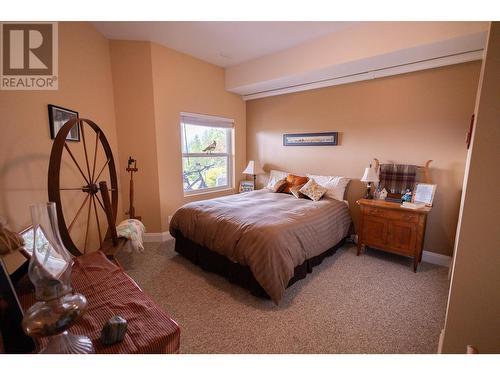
<point>253,168</point>
<point>370,175</point>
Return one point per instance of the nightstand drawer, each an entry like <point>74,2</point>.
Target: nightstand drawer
<point>408,217</point>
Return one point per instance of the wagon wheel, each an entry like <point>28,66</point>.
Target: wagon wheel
<point>75,171</point>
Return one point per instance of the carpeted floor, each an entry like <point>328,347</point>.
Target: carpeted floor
<point>368,304</point>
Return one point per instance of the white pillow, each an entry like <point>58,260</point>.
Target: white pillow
<point>275,176</point>
<point>335,185</point>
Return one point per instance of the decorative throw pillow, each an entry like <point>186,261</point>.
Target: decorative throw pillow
<point>279,186</point>
<point>313,190</point>
<point>335,185</point>
<point>293,180</point>
<point>275,176</point>
<point>294,190</point>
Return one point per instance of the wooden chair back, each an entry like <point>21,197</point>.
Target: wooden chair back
<point>422,169</point>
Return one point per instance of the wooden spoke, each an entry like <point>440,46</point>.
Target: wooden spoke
<point>87,230</point>
<point>82,189</point>
<point>98,224</point>
<point>85,148</point>
<point>102,169</point>
<point>78,213</point>
<point>100,203</point>
<point>97,134</point>
<point>76,163</point>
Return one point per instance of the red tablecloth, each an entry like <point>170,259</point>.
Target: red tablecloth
<point>110,291</point>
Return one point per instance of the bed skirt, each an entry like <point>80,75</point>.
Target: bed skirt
<point>237,273</point>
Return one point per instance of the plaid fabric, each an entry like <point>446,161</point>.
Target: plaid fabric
<point>396,178</point>
<point>110,291</point>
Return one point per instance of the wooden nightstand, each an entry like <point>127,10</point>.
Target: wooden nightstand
<point>388,226</point>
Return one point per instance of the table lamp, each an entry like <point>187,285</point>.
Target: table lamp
<point>253,168</point>
<point>369,176</point>
<point>57,306</point>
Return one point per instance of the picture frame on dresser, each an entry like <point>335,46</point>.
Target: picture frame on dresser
<point>246,186</point>
<point>424,193</point>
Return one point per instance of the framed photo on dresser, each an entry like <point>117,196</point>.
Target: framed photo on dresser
<point>424,193</point>
<point>246,186</point>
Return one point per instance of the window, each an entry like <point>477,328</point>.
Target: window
<point>206,153</point>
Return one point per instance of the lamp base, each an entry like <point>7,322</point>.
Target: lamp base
<point>368,194</point>
<point>49,318</point>
<point>67,343</point>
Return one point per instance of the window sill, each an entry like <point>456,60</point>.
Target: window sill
<point>207,192</point>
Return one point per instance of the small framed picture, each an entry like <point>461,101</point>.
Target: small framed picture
<point>58,116</point>
<point>424,193</point>
<point>246,186</point>
<point>311,139</point>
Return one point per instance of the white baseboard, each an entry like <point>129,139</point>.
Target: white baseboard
<point>156,237</point>
<point>435,258</point>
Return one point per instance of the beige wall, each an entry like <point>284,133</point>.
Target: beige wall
<point>185,84</point>
<point>135,118</point>
<point>473,314</point>
<point>405,119</point>
<point>84,85</point>
<point>153,85</point>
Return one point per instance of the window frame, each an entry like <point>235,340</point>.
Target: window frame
<point>214,122</point>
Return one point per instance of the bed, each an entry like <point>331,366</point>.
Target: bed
<point>263,240</point>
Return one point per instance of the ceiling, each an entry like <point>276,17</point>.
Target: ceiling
<point>222,43</point>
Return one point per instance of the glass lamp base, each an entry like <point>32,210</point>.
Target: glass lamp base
<point>66,343</point>
<point>368,194</point>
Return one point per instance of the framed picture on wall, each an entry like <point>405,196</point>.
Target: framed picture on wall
<point>58,116</point>
<point>311,139</point>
